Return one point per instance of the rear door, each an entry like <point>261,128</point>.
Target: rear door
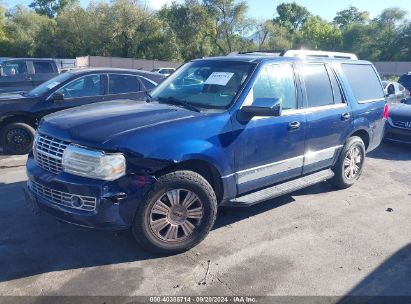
<point>43,71</point>
<point>15,77</point>
<point>124,86</point>
<point>328,116</point>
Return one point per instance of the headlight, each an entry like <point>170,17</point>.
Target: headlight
<point>93,164</point>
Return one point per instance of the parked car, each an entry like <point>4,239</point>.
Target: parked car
<point>398,128</point>
<point>253,128</point>
<point>24,74</point>
<point>395,92</point>
<point>20,113</point>
<point>164,71</point>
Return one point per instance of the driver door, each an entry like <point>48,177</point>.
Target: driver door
<point>271,149</point>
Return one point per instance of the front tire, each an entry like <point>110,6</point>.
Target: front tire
<point>350,164</point>
<point>177,214</point>
<point>17,138</point>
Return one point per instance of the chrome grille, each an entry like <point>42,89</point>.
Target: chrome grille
<point>85,203</point>
<point>48,152</point>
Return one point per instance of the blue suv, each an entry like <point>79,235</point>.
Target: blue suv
<point>235,130</point>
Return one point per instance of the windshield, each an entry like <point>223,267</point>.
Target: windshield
<point>205,83</point>
<point>48,85</point>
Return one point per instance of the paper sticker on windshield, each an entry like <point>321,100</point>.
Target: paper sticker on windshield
<point>52,85</point>
<point>219,78</point>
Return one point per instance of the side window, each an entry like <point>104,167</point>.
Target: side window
<point>86,86</point>
<point>401,87</point>
<point>338,96</point>
<point>276,81</point>
<point>120,84</point>
<point>364,82</point>
<point>147,84</point>
<point>42,67</point>
<point>391,89</point>
<point>317,85</point>
<point>13,68</point>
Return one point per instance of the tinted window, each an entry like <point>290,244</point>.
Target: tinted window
<point>120,84</point>
<point>42,67</point>
<point>338,97</point>
<point>391,89</point>
<point>13,68</point>
<point>364,82</point>
<point>83,87</point>
<point>317,85</point>
<point>276,81</point>
<point>147,84</point>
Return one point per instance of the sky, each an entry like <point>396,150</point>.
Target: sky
<point>265,9</point>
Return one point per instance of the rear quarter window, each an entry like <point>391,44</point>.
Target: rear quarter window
<point>42,67</point>
<point>364,82</point>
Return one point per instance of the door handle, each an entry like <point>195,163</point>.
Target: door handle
<point>346,116</point>
<point>28,78</point>
<point>294,125</point>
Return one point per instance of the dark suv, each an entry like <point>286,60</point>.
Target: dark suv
<point>235,130</point>
<point>24,74</point>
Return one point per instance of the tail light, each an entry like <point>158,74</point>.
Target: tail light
<point>386,111</point>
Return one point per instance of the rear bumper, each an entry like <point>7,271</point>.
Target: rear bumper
<point>110,212</point>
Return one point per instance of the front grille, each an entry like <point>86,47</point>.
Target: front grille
<point>49,152</point>
<point>402,124</point>
<point>59,198</point>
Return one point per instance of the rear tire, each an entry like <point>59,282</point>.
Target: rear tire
<point>17,138</point>
<point>350,163</point>
<point>177,213</point>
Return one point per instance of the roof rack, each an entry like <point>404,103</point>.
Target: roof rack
<point>304,53</point>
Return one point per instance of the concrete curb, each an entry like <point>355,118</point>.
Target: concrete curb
<point>12,161</point>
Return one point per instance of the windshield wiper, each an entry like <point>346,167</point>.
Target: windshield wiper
<point>176,101</point>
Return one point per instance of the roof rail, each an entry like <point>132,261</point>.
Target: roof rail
<point>304,53</point>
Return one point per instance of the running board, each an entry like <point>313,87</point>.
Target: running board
<point>281,189</point>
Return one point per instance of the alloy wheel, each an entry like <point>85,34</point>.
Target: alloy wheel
<point>352,163</point>
<point>175,216</point>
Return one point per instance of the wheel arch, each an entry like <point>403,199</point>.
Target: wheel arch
<point>202,167</point>
<point>18,117</point>
<point>364,135</point>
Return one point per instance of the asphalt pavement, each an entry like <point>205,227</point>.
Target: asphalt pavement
<point>318,241</point>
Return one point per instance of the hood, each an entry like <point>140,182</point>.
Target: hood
<point>97,124</point>
<point>400,112</point>
<point>11,96</point>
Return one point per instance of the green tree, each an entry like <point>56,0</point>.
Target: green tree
<point>272,36</point>
<point>28,34</point>
<point>319,34</point>
<point>351,15</point>
<point>49,8</point>
<point>291,15</point>
<point>191,26</point>
<point>230,24</point>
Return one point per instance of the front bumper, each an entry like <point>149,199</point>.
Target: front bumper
<point>115,201</point>
<point>395,134</point>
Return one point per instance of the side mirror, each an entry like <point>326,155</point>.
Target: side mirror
<point>57,97</point>
<point>264,107</point>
